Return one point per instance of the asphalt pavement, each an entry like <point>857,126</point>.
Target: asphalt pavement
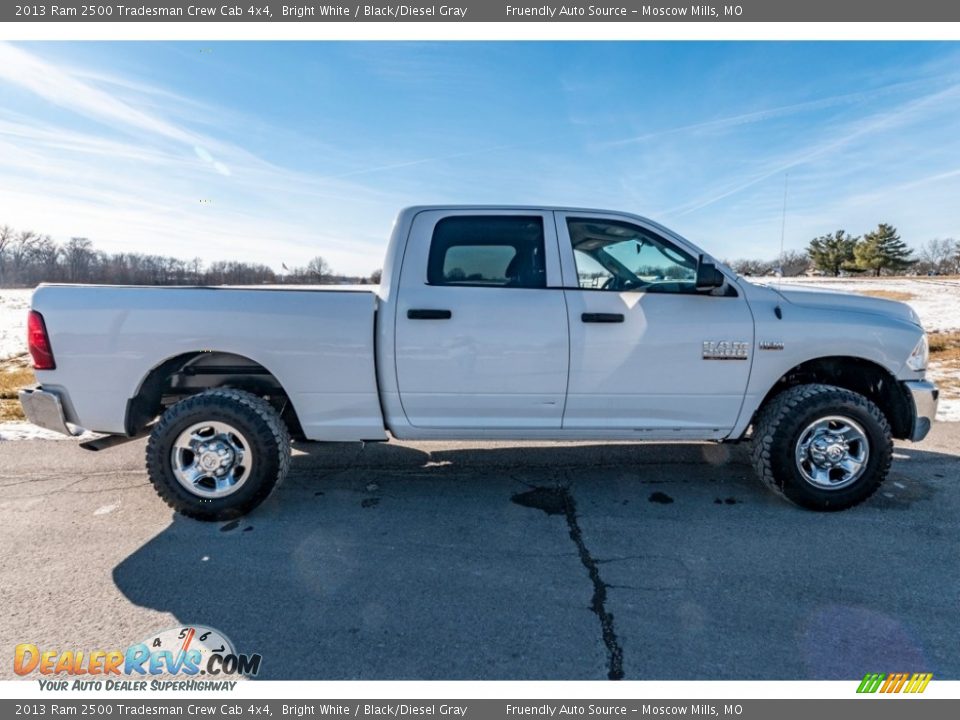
<point>495,561</point>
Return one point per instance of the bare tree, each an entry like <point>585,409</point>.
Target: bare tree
<point>78,255</point>
<point>46,266</point>
<point>21,252</point>
<point>940,256</point>
<point>376,276</point>
<point>752,267</point>
<point>6,237</point>
<point>319,269</point>
<point>794,262</point>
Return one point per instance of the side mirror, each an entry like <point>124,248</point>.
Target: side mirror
<point>708,277</point>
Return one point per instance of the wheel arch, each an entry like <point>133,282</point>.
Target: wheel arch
<point>857,374</point>
<point>189,373</point>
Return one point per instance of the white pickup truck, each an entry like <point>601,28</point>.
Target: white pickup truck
<point>490,323</point>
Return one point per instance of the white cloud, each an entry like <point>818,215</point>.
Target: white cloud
<point>139,181</point>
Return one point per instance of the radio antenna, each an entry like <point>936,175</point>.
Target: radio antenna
<point>783,223</point>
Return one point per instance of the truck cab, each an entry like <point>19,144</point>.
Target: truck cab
<point>557,323</point>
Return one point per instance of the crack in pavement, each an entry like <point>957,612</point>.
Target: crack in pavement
<point>58,475</point>
<point>559,501</point>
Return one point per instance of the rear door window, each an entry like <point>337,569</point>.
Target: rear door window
<point>488,251</point>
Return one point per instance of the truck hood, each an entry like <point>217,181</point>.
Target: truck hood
<point>851,302</point>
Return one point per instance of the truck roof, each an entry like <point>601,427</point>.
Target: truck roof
<point>539,208</point>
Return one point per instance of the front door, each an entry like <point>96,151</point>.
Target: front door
<point>648,353</point>
<point>481,338</point>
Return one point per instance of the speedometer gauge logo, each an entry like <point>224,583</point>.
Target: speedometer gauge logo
<point>198,643</point>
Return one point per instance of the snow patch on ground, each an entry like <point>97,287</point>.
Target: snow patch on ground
<point>13,322</point>
<point>935,300</point>
<point>22,430</point>
<point>19,430</point>
<point>948,379</point>
<point>948,410</point>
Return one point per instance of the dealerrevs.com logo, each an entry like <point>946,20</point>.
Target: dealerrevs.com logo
<point>188,653</point>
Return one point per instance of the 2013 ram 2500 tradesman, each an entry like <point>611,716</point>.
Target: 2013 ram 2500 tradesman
<point>490,322</point>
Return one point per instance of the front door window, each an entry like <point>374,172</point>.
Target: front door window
<point>618,256</point>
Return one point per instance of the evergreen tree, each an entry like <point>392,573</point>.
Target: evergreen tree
<point>831,253</point>
<point>882,250</point>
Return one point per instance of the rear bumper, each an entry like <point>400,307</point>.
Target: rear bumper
<point>44,408</point>
<point>924,396</point>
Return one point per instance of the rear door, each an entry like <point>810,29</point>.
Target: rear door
<point>648,353</point>
<point>481,326</point>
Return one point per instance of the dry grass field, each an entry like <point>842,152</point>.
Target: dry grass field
<point>15,373</point>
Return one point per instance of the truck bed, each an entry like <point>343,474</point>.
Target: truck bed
<point>316,340</point>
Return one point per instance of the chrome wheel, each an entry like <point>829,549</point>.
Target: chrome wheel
<point>832,452</point>
<point>211,459</point>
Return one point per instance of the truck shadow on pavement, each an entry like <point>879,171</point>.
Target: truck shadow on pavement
<point>563,562</point>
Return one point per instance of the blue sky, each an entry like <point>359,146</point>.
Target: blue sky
<point>299,149</point>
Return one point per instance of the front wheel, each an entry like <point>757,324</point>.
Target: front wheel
<point>218,454</point>
<point>822,447</point>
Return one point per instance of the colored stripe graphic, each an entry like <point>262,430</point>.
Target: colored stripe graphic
<point>901,679</point>
<point>894,682</point>
<point>890,682</point>
<point>870,682</point>
<point>918,683</point>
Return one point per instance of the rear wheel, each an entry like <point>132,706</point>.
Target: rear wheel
<point>822,447</point>
<point>218,454</point>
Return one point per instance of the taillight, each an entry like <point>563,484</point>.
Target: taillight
<point>39,343</point>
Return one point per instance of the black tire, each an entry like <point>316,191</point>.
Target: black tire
<point>777,431</point>
<point>267,443</point>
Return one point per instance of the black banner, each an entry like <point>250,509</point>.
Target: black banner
<point>235,709</point>
<point>485,11</point>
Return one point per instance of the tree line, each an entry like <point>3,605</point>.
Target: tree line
<point>878,252</point>
<point>28,258</point>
